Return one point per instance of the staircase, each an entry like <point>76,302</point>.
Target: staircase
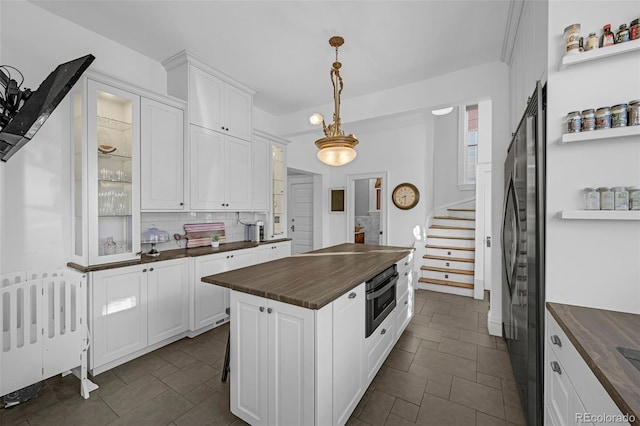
<point>448,265</point>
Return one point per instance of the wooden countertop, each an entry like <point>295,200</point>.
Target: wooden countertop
<point>312,279</point>
<point>175,254</point>
<point>596,333</point>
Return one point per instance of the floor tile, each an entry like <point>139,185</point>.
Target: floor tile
<point>459,311</point>
<point>501,344</point>
<point>463,323</point>
<point>199,394</point>
<point>447,330</point>
<point>481,339</point>
<point>139,367</point>
<point>363,401</point>
<point>494,362</point>
<point>408,343</point>
<point>377,408</point>
<point>489,380</point>
<point>429,373</point>
<point>163,409</point>
<point>423,332</point>
<point>483,419</point>
<point>80,412</point>
<point>458,348</point>
<point>477,396</point>
<point>178,358</point>
<point>438,389</point>
<point>395,420</point>
<point>404,409</point>
<point>108,382</point>
<point>190,377</point>
<point>514,415</point>
<point>212,411</point>
<point>134,394</point>
<point>402,385</point>
<point>451,364</point>
<point>436,411</point>
<point>399,359</point>
<point>21,412</point>
<point>510,393</point>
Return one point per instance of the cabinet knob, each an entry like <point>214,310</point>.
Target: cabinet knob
<point>352,295</point>
<point>556,367</point>
<point>556,340</point>
<point>231,255</point>
<point>222,127</point>
<point>406,263</point>
<point>269,310</point>
<point>144,270</point>
<point>406,302</point>
<point>261,308</point>
<point>151,269</point>
<point>406,273</point>
<point>384,330</point>
<point>222,204</point>
<point>182,204</point>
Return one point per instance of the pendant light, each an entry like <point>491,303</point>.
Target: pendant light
<point>336,148</point>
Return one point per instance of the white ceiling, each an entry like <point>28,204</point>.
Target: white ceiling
<point>281,49</point>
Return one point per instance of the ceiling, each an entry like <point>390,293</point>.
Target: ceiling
<point>281,49</point>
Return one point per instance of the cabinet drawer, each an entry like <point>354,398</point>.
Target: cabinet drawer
<point>378,346</point>
<point>405,265</point>
<point>404,308</point>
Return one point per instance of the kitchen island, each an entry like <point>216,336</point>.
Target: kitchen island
<point>299,354</point>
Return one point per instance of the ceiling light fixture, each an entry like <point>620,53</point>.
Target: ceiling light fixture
<point>442,111</point>
<point>336,149</point>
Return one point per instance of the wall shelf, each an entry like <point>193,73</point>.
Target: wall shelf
<point>600,53</point>
<point>600,214</point>
<point>618,132</point>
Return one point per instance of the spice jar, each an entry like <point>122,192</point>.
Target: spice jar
<point>588,120</point>
<point>606,198</point>
<point>607,38</point>
<point>591,199</point>
<point>633,118</point>
<point>634,197</point>
<point>603,118</point>
<point>572,39</point>
<point>619,115</point>
<point>634,29</point>
<point>592,42</point>
<point>574,122</point>
<point>623,34</point>
<point>621,197</point>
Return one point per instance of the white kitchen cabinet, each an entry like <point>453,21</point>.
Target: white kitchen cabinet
<point>211,301</point>
<point>119,313</point>
<point>162,162</point>
<point>168,299</point>
<point>273,379</point>
<point>267,252</point>
<point>220,168</point>
<point>404,294</point>
<point>378,346</point>
<point>261,187</point>
<point>348,353</point>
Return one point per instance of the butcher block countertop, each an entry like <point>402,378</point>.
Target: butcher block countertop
<point>313,279</point>
<point>596,333</point>
<point>175,254</point>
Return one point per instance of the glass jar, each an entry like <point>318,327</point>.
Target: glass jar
<point>588,120</point>
<point>634,197</point>
<point>592,42</point>
<point>603,118</point>
<point>572,39</point>
<point>607,39</point>
<point>621,196</point>
<point>634,113</point>
<point>619,115</point>
<point>574,122</point>
<point>623,34</point>
<point>591,199</point>
<point>109,246</point>
<point>606,198</point>
<point>634,29</point>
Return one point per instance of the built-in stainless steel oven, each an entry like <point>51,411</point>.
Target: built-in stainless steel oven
<point>381,298</point>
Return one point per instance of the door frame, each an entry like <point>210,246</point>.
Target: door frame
<point>293,180</point>
<point>351,203</point>
<point>482,275</point>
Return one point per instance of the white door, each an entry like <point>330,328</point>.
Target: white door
<point>373,216</point>
<point>207,169</point>
<point>301,217</point>
<point>168,291</point>
<point>482,275</point>
<point>237,174</point>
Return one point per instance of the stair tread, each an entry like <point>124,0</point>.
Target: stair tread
<point>452,259</point>
<point>453,218</point>
<point>445,282</point>
<point>461,210</point>
<point>451,238</point>
<point>450,247</point>
<point>446,270</point>
<point>451,227</point>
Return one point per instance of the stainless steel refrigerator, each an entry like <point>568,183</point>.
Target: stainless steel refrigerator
<point>523,230</point>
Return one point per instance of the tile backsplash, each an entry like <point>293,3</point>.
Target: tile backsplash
<point>173,223</point>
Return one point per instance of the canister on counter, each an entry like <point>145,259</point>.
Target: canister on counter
<point>619,115</point>
<point>592,42</point>
<point>623,34</point>
<point>591,199</point>
<point>606,198</point>
<point>572,39</point>
<point>588,120</point>
<point>603,118</point>
<point>634,197</point>
<point>574,122</point>
<point>621,197</point>
<point>607,39</point>
<point>634,29</point>
<point>634,113</point>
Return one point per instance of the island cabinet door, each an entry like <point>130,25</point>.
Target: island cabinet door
<point>248,362</point>
<point>348,353</point>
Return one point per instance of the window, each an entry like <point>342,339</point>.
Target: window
<point>468,157</point>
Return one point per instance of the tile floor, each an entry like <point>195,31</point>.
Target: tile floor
<point>444,370</point>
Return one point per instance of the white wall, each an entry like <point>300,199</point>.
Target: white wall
<point>35,220</point>
<point>590,263</point>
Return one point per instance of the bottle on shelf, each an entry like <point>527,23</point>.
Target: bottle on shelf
<point>623,34</point>
<point>607,39</point>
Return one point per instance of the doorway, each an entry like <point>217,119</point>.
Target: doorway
<point>366,208</point>
<point>301,211</point>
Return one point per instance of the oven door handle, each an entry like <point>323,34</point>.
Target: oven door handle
<point>392,281</point>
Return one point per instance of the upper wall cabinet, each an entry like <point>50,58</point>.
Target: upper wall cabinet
<point>216,102</point>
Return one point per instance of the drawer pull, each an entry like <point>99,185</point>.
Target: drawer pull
<point>144,270</point>
<point>406,263</point>
<point>556,340</point>
<point>556,367</point>
<point>151,270</point>
<point>406,273</point>
<point>269,310</point>
<point>406,302</point>
<point>384,330</point>
<point>261,308</point>
<point>352,295</point>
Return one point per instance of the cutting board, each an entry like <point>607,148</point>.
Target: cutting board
<point>199,234</point>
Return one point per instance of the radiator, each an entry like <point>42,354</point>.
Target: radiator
<point>44,328</point>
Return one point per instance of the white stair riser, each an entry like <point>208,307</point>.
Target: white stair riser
<point>466,215</point>
<point>453,222</point>
<point>465,254</point>
<point>467,279</point>
<point>468,233</point>
<point>449,242</point>
<point>449,264</point>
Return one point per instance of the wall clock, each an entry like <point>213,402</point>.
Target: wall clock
<point>405,196</point>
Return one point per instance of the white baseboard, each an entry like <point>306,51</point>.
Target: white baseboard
<point>478,288</point>
<point>494,324</point>
<point>446,289</point>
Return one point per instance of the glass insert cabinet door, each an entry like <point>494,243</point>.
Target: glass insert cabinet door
<point>110,146</point>
<point>278,182</point>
